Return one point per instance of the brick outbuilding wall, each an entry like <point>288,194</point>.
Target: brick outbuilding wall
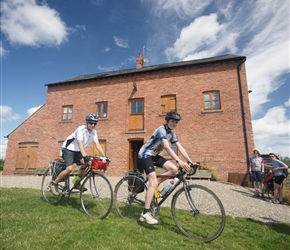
<point>224,137</point>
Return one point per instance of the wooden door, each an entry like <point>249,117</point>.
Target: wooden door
<point>26,158</point>
<point>134,146</point>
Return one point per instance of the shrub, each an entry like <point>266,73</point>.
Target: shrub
<point>1,164</point>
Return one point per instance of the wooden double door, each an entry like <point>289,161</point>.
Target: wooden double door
<point>26,157</point>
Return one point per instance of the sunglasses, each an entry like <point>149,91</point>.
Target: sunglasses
<point>272,156</point>
<point>93,123</point>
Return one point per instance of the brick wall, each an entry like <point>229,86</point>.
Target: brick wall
<point>217,137</point>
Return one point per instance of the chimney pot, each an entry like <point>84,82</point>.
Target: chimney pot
<point>139,61</point>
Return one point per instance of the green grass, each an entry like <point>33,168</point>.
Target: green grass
<point>27,222</point>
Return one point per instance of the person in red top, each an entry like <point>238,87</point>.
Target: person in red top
<point>256,169</point>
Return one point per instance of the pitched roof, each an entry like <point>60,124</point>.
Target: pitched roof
<point>222,58</point>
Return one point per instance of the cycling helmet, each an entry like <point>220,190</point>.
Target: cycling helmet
<point>172,115</point>
<point>92,117</point>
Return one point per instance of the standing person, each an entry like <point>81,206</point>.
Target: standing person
<point>73,149</point>
<point>256,169</point>
<point>278,167</point>
<point>149,157</point>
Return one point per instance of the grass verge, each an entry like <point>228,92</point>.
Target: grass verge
<point>27,222</point>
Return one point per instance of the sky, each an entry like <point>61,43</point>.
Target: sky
<point>48,41</point>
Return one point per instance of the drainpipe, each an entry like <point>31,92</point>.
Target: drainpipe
<point>242,111</point>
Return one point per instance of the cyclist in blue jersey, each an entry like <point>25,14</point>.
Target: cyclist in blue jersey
<point>73,149</point>
<point>149,157</point>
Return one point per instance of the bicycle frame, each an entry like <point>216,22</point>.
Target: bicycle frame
<point>181,179</point>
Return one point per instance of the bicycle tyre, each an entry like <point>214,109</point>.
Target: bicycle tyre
<point>209,223</point>
<point>97,201</point>
<point>46,190</point>
<point>128,198</point>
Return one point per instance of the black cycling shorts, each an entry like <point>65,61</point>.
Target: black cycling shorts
<point>151,161</point>
<point>279,179</point>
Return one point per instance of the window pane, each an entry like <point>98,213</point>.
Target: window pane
<point>215,97</point>
<point>105,110</point>
<point>207,97</point>
<point>216,105</point>
<point>140,108</point>
<point>207,105</point>
<point>99,110</point>
<point>133,107</point>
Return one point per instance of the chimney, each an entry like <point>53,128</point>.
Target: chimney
<point>139,61</point>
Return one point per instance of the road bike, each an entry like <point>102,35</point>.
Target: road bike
<point>95,190</point>
<point>197,211</point>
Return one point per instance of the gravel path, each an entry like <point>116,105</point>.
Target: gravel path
<point>238,201</point>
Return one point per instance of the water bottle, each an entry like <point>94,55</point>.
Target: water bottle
<point>76,180</point>
<point>166,189</point>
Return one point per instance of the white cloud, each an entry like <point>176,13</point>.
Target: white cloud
<point>3,147</point>
<point>7,114</point>
<point>121,42</point>
<point>183,8</point>
<point>24,22</point>
<point>3,51</point>
<point>202,32</point>
<point>272,132</point>
<point>32,110</point>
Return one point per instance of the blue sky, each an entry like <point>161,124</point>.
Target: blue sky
<point>48,41</point>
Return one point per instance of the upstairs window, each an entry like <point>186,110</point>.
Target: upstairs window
<point>136,107</point>
<point>67,112</point>
<point>168,103</point>
<point>136,114</point>
<point>211,100</point>
<point>102,109</point>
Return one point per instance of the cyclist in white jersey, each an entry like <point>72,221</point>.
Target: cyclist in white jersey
<point>149,157</point>
<point>73,149</point>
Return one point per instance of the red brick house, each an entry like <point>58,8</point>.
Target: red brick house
<point>210,94</point>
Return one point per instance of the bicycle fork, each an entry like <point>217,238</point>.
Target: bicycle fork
<point>189,199</point>
<point>93,188</point>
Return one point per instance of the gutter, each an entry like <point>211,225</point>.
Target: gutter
<point>243,113</point>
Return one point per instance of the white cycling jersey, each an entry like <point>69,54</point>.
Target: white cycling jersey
<point>81,133</point>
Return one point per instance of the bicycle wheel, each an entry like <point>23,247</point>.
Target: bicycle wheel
<point>129,197</point>
<point>46,190</point>
<point>97,201</point>
<point>198,213</point>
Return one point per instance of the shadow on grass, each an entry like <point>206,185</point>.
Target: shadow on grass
<point>71,201</point>
<point>275,225</point>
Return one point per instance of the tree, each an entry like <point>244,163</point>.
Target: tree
<point>286,160</point>
<point>1,164</point>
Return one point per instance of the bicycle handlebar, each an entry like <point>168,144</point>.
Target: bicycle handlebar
<point>193,169</point>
